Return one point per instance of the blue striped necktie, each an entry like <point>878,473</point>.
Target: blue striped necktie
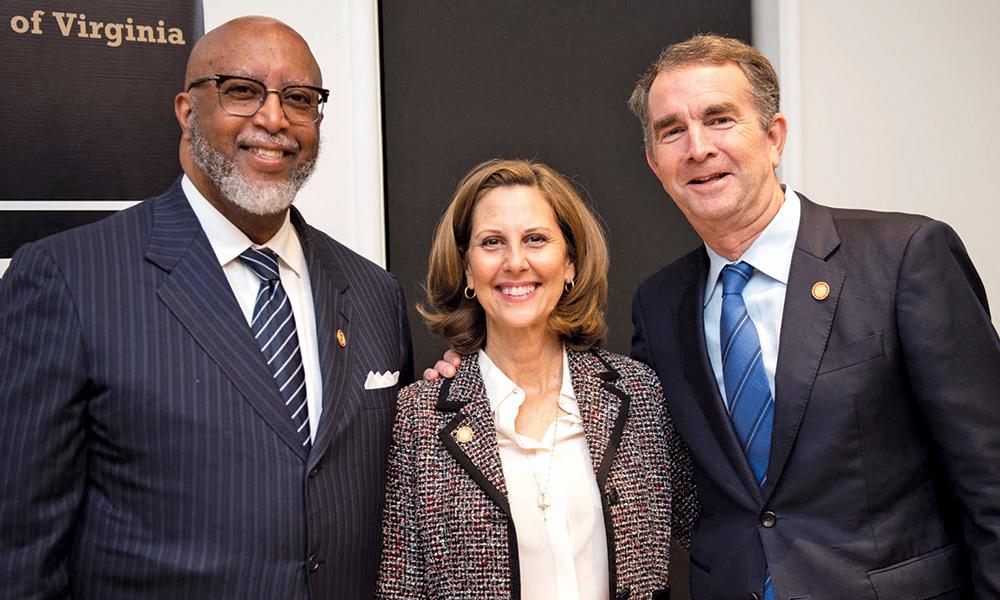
<point>273,327</point>
<point>748,394</point>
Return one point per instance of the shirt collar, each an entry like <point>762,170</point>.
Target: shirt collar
<point>771,253</point>
<point>501,389</point>
<point>228,242</point>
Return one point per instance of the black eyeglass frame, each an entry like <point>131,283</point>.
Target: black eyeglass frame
<point>219,79</point>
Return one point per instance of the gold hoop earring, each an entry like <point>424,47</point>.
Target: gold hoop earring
<point>469,293</point>
<point>569,285</point>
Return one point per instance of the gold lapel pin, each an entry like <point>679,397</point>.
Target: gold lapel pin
<point>341,338</point>
<point>821,290</point>
<point>464,434</point>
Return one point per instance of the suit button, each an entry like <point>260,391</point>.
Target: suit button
<point>753,596</point>
<point>624,594</point>
<point>314,472</point>
<point>312,563</point>
<point>768,519</point>
<point>612,497</point>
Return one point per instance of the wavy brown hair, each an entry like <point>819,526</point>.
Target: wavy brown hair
<point>578,318</point>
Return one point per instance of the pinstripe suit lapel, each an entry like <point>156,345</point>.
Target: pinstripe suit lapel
<point>333,307</point>
<point>198,294</point>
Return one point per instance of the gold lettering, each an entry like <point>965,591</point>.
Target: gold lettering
<point>145,34</point>
<point>176,36</point>
<point>95,30</point>
<point>129,30</point>
<point>19,24</point>
<point>113,31</point>
<point>36,22</point>
<point>82,22</point>
<point>65,22</point>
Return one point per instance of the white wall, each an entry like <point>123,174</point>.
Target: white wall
<point>344,198</point>
<point>895,102</point>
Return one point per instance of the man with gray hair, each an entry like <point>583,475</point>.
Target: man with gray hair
<point>834,372</point>
<point>199,391</point>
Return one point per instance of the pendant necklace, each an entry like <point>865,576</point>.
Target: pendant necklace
<point>544,499</point>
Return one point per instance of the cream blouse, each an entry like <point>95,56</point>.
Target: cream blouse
<point>562,550</point>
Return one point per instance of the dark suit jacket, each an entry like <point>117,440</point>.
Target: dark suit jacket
<point>145,449</point>
<point>884,473</point>
<point>448,527</point>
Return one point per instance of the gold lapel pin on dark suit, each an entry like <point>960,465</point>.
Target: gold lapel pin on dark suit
<point>820,290</point>
<point>341,338</point>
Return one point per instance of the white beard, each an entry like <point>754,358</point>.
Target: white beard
<point>254,197</point>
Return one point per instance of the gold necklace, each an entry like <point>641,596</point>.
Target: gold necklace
<point>544,499</point>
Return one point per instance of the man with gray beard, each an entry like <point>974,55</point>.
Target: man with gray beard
<point>199,391</point>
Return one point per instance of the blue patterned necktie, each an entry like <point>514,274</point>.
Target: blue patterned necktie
<point>748,395</point>
<point>273,327</point>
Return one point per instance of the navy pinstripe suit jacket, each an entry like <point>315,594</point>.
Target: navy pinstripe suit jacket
<point>144,448</point>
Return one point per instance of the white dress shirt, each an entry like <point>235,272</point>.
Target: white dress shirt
<point>563,551</point>
<point>771,257</point>
<point>228,242</point>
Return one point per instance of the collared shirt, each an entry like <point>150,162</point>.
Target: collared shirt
<point>563,551</point>
<point>228,242</point>
<point>771,257</point>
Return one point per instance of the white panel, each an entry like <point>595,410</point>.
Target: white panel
<point>67,204</point>
<point>898,99</point>
<point>776,34</point>
<point>344,198</point>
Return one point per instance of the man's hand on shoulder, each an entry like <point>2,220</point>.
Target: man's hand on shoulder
<point>446,367</point>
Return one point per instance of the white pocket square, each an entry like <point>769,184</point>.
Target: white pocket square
<point>377,381</point>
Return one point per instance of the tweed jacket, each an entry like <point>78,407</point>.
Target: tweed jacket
<point>448,531</point>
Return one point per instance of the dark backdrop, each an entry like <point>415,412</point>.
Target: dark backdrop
<point>542,79</point>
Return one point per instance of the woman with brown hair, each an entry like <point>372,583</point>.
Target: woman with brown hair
<point>547,468</point>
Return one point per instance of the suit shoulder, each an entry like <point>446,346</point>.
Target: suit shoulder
<point>880,224</point>
<point>674,278</point>
<point>116,226</point>
<point>355,266</point>
<point>114,235</point>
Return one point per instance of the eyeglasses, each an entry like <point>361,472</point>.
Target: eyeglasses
<point>243,97</point>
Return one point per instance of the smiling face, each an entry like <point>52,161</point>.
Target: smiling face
<point>709,150</point>
<point>252,165</point>
<point>517,262</point>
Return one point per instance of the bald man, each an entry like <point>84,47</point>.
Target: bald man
<point>198,392</point>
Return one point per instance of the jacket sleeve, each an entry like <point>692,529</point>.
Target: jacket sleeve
<point>640,350</point>
<point>402,572</point>
<point>405,342</point>
<point>952,357</point>
<point>43,398</point>
<point>684,503</point>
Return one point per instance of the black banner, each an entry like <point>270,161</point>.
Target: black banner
<point>86,104</point>
<point>87,98</point>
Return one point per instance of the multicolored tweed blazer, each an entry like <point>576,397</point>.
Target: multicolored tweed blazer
<point>448,531</point>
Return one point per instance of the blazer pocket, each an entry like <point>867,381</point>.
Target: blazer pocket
<point>924,576</point>
<point>698,575</point>
<point>852,354</point>
<point>380,399</point>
